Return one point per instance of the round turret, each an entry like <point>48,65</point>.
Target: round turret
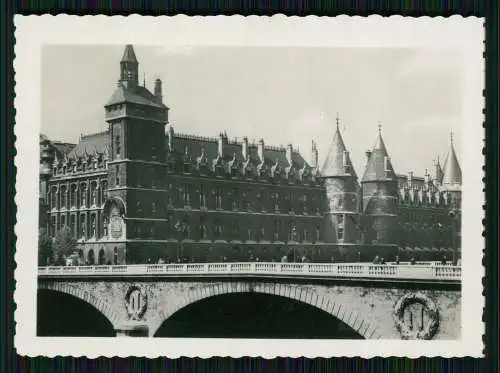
<point>342,192</point>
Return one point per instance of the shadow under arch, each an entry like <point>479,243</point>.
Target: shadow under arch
<point>357,322</point>
<point>63,315</point>
<point>101,306</point>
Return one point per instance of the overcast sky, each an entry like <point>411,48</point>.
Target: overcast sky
<point>284,95</point>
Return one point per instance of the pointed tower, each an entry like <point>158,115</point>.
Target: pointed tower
<point>342,192</point>
<point>452,173</point>
<point>452,186</point>
<point>380,191</point>
<point>136,165</point>
<point>437,178</point>
<point>129,68</point>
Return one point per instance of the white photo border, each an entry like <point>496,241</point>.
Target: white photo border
<point>456,32</point>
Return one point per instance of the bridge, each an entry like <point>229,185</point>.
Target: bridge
<point>341,300</point>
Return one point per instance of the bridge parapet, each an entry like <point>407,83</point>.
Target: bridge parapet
<point>431,272</point>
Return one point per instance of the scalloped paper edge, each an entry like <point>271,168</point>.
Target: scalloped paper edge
<point>466,34</point>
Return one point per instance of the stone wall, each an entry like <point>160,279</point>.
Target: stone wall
<point>369,311</point>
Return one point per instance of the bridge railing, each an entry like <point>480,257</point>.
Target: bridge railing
<point>347,270</point>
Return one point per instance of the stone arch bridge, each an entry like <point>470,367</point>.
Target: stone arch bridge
<point>375,301</point>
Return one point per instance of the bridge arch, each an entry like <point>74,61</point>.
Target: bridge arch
<point>99,304</point>
<point>343,312</point>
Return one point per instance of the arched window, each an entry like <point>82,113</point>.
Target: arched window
<point>83,195</point>
<point>73,196</point>
<point>104,190</point>
<point>93,225</point>
<point>64,195</point>
<point>93,192</point>
<point>102,257</point>
<point>90,257</point>
<point>53,198</point>
<point>115,256</point>
<point>292,231</point>
<point>105,227</point>
<point>83,222</point>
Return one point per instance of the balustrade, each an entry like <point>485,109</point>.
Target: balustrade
<point>347,270</point>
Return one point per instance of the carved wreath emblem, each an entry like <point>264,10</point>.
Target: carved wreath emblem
<point>136,302</point>
<point>416,322</point>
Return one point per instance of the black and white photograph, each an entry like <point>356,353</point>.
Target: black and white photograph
<point>254,193</point>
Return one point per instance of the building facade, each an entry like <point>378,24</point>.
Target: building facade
<point>141,192</point>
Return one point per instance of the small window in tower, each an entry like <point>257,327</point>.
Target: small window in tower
<point>117,145</point>
<point>340,234</point>
<point>341,220</point>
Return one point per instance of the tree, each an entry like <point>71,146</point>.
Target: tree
<point>64,244</point>
<point>44,247</point>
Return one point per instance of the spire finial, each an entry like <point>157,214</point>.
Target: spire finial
<point>144,80</point>
<point>379,126</point>
<point>337,119</point>
<point>451,137</point>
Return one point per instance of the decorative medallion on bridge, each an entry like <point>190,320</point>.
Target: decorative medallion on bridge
<point>136,302</point>
<point>416,316</point>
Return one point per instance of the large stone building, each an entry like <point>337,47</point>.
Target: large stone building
<point>140,191</point>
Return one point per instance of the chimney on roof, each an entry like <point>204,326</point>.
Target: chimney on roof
<point>158,92</point>
<point>288,152</point>
<point>427,177</point>
<point>410,178</point>
<point>260,150</point>
<point>221,142</point>
<point>314,155</point>
<point>244,148</point>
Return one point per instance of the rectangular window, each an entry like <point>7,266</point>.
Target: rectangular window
<point>218,197</point>
<point>340,234</point>
<point>83,229</point>
<point>73,225</point>
<point>52,226</point>
<point>117,144</point>
<point>277,230</point>
<point>236,201</point>
<point>203,199</point>
<point>187,195</point>
<point>153,178</point>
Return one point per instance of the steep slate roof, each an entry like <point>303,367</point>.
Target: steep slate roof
<point>62,148</point>
<point>438,171</point>
<point>375,168</point>
<point>136,95</point>
<point>98,142</point>
<point>195,144</point>
<point>129,54</point>
<point>89,143</point>
<point>451,170</point>
<point>334,162</point>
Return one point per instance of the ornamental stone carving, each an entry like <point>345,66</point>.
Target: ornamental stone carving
<point>416,316</point>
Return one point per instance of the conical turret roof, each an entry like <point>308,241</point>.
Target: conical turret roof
<point>452,173</point>
<point>337,161</point>
<point>129,54</point>
<point>379,166</point>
